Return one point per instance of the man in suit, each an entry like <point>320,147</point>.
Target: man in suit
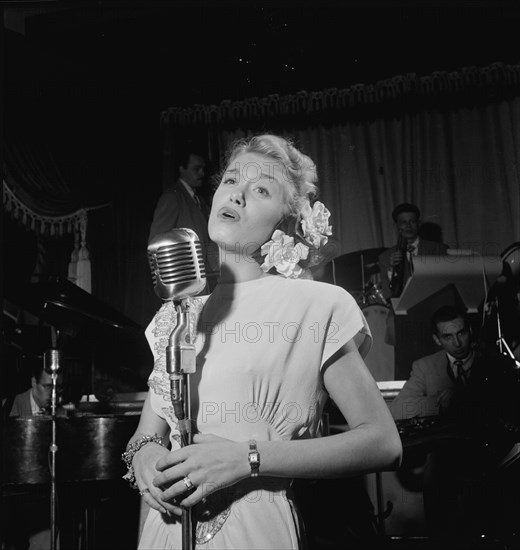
<point>472,391</point>
<point>36,399</point>
<point>396,267</point>
<point>407,219</point>
<point>181,205</point>
<point>27,519</point>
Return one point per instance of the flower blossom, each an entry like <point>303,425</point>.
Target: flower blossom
<point>281,252</point>
<point>315,224</point>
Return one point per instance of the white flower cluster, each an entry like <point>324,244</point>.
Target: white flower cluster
<point>283,254</point>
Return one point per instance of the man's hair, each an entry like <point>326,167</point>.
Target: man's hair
<point>405,207</point>
<point>447,313</point>
<point>184,152</point>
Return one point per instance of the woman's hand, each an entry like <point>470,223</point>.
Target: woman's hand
<point>144,467</point>
<point>209,464</point>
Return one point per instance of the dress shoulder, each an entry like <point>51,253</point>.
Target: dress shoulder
<point>338,310</point>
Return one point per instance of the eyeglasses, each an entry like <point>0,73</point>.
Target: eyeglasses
<point>48,387</point>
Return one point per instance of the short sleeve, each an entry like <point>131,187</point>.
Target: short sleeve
<point>346,322</point>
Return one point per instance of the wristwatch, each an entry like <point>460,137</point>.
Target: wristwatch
<point>254,458</point>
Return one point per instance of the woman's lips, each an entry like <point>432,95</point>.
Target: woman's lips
<point>228,214</point>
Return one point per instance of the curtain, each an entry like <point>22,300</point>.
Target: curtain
<point>37,195</point>
<point>455,156</point>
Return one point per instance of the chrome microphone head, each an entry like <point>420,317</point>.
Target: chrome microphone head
<point>51,361</point>
<point>177,264</point>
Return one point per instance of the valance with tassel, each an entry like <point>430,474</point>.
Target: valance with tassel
<point>79,269</point>
<point>440,82</point>
<point>52,225</point>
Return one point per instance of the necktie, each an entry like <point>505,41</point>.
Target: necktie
<point>461,373</point>
<point>409,255</point>
<point>197,201</point>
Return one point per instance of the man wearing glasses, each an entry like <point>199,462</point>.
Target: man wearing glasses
<point>37,399</point>
<point>472,459</point>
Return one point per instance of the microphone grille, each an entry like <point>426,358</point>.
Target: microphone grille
<point>177,264</point>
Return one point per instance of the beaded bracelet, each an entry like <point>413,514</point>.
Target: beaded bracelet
<point>128,456</point>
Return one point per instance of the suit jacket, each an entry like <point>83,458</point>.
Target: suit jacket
<point>418,397</point>
<point>22,404</point>
<point>176,208</point>
<point>426,248</point>
<point>486,407</point>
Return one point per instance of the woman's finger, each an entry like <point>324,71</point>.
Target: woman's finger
<point>206,438</point>
<point>169,477</point>
<point>151,501</point>
<point>196,496</point>
<point>178,490</point>
<point>172,458</point>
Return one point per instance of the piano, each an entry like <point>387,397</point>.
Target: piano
<point>105,364</point>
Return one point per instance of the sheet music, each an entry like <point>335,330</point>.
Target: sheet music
<point>469,275</point>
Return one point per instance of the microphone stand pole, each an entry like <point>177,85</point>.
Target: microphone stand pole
<point>52,366</point>
<point>501,342</point>
<point>180,362</point>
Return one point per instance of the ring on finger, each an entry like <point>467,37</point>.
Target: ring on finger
<point>144,491</point>
<point>187,481</point>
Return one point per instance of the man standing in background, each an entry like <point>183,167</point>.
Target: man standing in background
<point>182,205</point>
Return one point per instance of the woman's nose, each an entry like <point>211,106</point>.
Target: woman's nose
<point>237,197</point>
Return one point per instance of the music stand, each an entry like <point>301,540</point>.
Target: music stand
<point>471,275</point>
<point>437,281</point>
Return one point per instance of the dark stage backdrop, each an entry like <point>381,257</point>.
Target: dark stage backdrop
<point>449,142</point>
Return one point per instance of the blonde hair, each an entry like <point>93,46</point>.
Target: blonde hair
<point>298,168</point>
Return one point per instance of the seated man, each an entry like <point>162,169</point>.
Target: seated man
<point>37,398</point>
<point>473,392</point>
<point>27,513</point>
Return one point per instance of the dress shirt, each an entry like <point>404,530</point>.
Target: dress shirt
<point>191,193</point>
<point>466,364</point>
<point>412,249</point>
<point>34,406</point>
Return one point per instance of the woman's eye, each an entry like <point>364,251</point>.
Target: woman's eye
<point>229,181</point>
<point>262,191</point>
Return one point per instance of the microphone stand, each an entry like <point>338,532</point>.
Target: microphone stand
<point>180,362</point>
<point>501,341</point>
<point>52,366</point>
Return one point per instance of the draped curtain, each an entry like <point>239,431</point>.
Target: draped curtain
<point>38,196</point>
<point>449,143</point>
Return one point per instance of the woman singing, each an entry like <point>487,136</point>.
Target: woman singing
<point>272,347</point>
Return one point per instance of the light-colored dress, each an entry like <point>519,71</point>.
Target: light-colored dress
<point>261,346</point>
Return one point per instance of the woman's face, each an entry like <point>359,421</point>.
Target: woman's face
<point>248,204</point>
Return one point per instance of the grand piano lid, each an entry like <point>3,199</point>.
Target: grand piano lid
<point>71,309</point>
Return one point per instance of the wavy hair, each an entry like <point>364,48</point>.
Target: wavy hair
<point>298,168</point>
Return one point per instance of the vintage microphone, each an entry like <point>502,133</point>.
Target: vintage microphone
<point>51,364</point>
<point>178,272</point>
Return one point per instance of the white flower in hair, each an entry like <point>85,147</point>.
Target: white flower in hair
<point>315,224</point>
<point>281,252</point>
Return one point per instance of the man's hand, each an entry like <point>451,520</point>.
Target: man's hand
<point>396,258</point>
